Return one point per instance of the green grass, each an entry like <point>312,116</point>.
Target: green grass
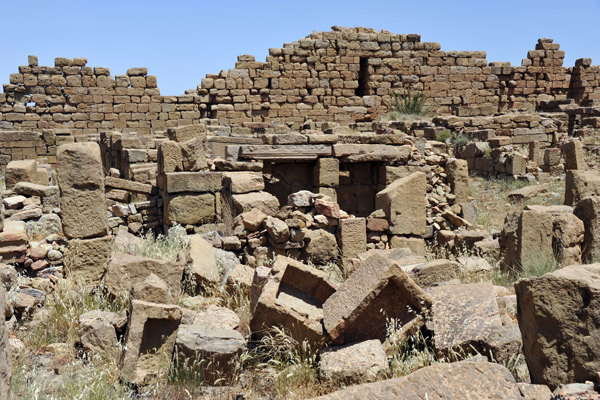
<point>410,103</point>
<point>443,136</point>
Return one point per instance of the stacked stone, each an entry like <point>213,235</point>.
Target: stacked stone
<point>83,210</point>
<point>88,100</point>
<point>132,204</point>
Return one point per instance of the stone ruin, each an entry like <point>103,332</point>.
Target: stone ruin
<point>272,166</point>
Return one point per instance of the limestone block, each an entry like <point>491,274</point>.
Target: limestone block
<point>193,155</point>
<point>125,270</point>
<point>327,172</point>
<point>20,171</point>
<point>434,272</point>
<point>588,210</point>
<point>190,208</point>
<point>457,172</point>
<point>354,363</point>
<point>185,133</point>
<point>203,267</point>
<point>574,155</point>
<point>579,185</point>
<point>556,314</point>
<point>404,204</point>
<point>87,259</point>
<point>321,246</point>
<point>377,290</point>
<point>81,183</point>
<point>149,342</point>
<point>352,237</point>
<point>263,201</point>
<point>197,182</point>
<point>170,158</point>
<point>293,298</point>
<point>243,182</point>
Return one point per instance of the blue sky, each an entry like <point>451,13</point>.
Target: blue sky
<point>181,41</point>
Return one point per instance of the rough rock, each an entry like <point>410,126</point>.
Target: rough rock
<point>588,210</point>
<point>434,272</point>
<point>352,237</point>
<point>263,201</point>
<point>376,291</point>
<point>97,331</point>
<point>581,184</point>
<point>458,178</point>
<point>354,363</point>
<point>190,209</point>
<point>455,381</point>
<point>243,182</point>
<point>5,368</point>
<point>253,219</point>
<point>152,289</point>
<point>20,171</point>
<point>321,247</point>
<point>557,314</point>
<point>278,230</point>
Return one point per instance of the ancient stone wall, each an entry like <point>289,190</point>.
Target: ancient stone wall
<point>344,75</point>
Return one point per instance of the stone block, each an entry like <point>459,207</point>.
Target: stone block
<point>20,171</point>
<point>184,133</point>
<point>193,155</point>
<point>243,182</point>
<point>354,363</point>
<point>434,273</point>
<point>526,239</point>
<point>197,182</point>
<point>376,291</point>
<point>149,342</point>
<point>579,185</point>
<point>516,164</point>
<point>326,172</point>
<point>125,270</point>
<point>588,210</point>
<point>352,237</point>
<point>169,157</point>
<point>574,155</point>
<point>203,267</point>
<point>556,314</point>
<point>81,182</point>
<point>86,259</point>
<point>457,172</point>
<point>293,298</point>
<point>416,245</point>
<point>190,208</point>
<point>404,204</point>
<point>552,156</point>
<point>263,201</point>
<point>210,350</point>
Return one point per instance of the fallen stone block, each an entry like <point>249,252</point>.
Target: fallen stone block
<point>354,363</point>
<point>557,316</point>
<point>190,209</point>
<point>377,291</point>
<point>457,172</point>
<point>581,184</point>
<point>152,289</point>
<point>203,268</point>
<point>263,201</point>
<point>210,351</point>
<point>125,270</point>
<point>434,273</point>
<point>243,182</point>
<point>352,237</point>
<point>86,259</point>
<point>454,381</point>
<point>97,331</point>
<point>466,318</point>
<point>527,192</point>
<point>149,342</point>
<point>292,299</point>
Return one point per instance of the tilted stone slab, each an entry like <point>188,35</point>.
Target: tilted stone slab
<point>372,152</point>
<point>376,291</point>
<point>293,298</point>
<point>130,186</point>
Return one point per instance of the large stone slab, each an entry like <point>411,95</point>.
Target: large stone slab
<point>149,342</point>
<point>81,182</point>
<point>372,152</point>
<point>466,318</point>
<point>375,292</point>
<point>284,152</point>
<point>558,316</point>
<point>202,181</point>
<point>404,204</point>
<point>243,182</point>
<point>125,270</point>
<point>293,298</point>
<point>455,381</point>
<point>87,259</point>
<point>354,363</point>
<point>352,236</point>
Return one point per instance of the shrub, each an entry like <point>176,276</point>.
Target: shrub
<point>443,136</point>
<point>411,104</point>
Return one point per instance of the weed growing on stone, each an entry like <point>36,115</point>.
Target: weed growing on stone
<point>411,103</point>
<point>161,246</point>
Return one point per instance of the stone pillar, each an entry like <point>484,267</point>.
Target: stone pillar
<point>458,178</point>
<point>83,210</point>
<point>352,237</point>
<point>574,156</point>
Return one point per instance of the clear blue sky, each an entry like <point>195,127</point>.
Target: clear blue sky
<point>181,41</point>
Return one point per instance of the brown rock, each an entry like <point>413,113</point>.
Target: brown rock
<point>458,178</point>
<point>253,219</point>
<point>321,247</point>
<point>87,259</point>
<point>81,182</point>
<point>404,204</point>
<point>20,171</point>
<point>579,185</point>
<point>354,363</point>
<point>5,369</point>
<point>170,158</point>
<point>190,209</point>
<point>588,210</point>
<point>352,237</point>
<point>376,291</point>
<point>454,381</point>
<point>263,201</point>
<point>557,316</point>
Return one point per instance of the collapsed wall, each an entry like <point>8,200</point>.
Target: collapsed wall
<point>344,75</point>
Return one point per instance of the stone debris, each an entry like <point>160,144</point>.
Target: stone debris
<point>354,363</point>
